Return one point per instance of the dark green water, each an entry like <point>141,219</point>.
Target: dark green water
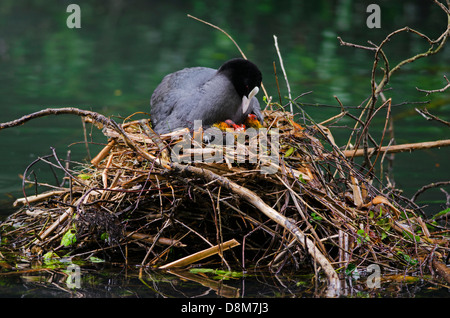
<point>124,48</point>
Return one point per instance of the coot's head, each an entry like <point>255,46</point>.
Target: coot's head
<point>245,76</point>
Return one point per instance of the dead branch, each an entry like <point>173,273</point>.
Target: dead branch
<point>399,148</point>
<point>426,114</point>
<point>185,261</point>
<point>284,72</point>
<point>429,186</point>
<point>60,111</point>
<point>436,90</point>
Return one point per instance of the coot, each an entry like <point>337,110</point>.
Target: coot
<point>206,94</point>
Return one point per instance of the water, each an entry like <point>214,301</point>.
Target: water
<point>106,280</point>
<point>123,49</point>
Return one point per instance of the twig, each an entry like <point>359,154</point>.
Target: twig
<point>185,261</point>
<point>55,224</point>
<point>399,148</point>
<point>221,30</point>
<point>59,111</point>
<point>276,80</point>
<point>103,153</point>
<point>384,132</point>
<point>426,114</point>
<point>429,186</point>
<point>284,73</point>
<point>435,90</point>
<point>152,239</point>
<point>343,43</point>
<point>39,197</point>
<point>234,42</point>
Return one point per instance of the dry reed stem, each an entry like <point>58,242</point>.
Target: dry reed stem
<point>399,148</point>
<point>185,261</point>
<point>284,73</point>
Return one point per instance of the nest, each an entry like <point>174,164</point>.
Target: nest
<point>296,201</point>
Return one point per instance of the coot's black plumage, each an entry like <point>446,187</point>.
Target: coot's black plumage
<point>206,94</point>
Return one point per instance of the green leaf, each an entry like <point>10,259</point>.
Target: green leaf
<point>219,273</point>
<point>352,270</point>
<point>441,213</point>
<point>104,236</point>
<point>51,260</point>
<point>201,270</point>
<point>289,152</point>
<point>50,255</point>
<point>407,258</point>
<point>410,236</point>
<point>300,177</point>
<point>363,237</point>
<point>94,259</point>
<point>69,238</point>
<point>84,176</point>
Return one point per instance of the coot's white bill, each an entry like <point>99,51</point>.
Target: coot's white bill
<point>246,101</point>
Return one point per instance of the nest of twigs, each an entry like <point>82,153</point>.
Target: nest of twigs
<point>138,202</point>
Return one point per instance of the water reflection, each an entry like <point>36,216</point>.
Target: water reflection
<point>107,281</point>
<point>119,281</point>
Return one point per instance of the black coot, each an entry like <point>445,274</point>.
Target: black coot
<point>206,94</point>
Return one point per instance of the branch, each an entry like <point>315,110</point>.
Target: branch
<point>399,148</point>
<point>436,90</point>
<point>426,114</point>
<point>187,260</point>
<point>429,186</point>
<point>60,111</point>
<point>284,72</point>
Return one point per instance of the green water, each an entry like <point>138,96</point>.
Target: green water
<point>124,48</point>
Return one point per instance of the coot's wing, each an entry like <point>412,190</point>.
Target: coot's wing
<point>218,101</point>
<point>176,97</point>
<point>161,104</point>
